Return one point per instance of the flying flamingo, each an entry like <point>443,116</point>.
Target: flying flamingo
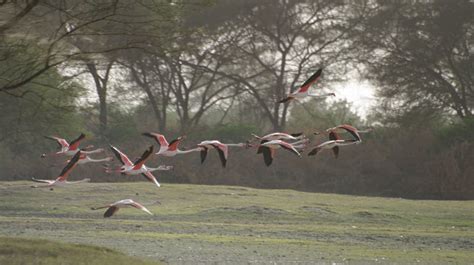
<point>169,149</point>
<point>269,149</point>
<point>222,149</point>
<point>334,142</point>
<point>277,136</point>
<point>114,207</point>
<point>69,149</point>
<point>129,168</point>
<point>61,180</point>
<point>303,90</point>
<point>348,128</point>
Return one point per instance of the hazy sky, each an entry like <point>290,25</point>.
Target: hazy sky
<point>359,93</point>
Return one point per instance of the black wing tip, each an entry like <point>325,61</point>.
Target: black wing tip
<point>110,212</point>
<point>296,134</point>
<point>148,134</point>
<point>313,152</point>
<point>268,163</point>
<point>335,150</point>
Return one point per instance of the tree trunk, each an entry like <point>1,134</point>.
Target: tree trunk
<point>101,88</point>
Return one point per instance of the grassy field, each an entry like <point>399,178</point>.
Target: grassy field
<point>18,251</point>
<point>197,224</point>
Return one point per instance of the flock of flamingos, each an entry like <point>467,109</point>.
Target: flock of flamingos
<point>265,145</point>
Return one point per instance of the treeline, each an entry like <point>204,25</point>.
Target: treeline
<point>215,70</point>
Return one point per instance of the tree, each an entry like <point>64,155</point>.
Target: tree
<point>420,56</point>
<point>278,44</point>
<point>45,23</point>
<point>150,74</point>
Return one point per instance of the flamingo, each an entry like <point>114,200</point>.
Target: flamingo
<point>129,168</point>
<point>169,149</point>
<point>114,207</point>
<point>269,149</point>
<point>303,90</point>
<point>334,142</point>
<point>222,149</point>
<point>69,149</point>
<point>61,180</point>
<point>277,136</point>
<point>331,144</point>
<point>348,128</point>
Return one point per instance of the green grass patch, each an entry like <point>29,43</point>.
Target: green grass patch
<point>36,251</point>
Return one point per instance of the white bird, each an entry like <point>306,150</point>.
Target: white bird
<point>169,149</point>
<point>114,207</point>
<point>138,167</point>
<point>269,149</point>
<point>61,180</point>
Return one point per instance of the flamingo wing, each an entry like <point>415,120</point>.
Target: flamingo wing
<point>151,178</point>
<point>67,169</point>
<point>203,153</point>
<point>223,152</point>
<point>139,163</point>
<point>290,148</point>
<point>260,148</point>
<point>296,134</point>
<point>121,156</point>
<point>61,142</point>
<point>352,130</point>
<point>159,138</point>
<point>111,211</point>
<point>334,136</point>
<point>314,151</point>
<point>305,86</point>
<point>267,155</point>
<point>75,143</point>
<point>141,207</point>
<point>335,150</point>
<point>174,144</point>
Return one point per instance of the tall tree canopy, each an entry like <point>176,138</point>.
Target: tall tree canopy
<point>421,56</point>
